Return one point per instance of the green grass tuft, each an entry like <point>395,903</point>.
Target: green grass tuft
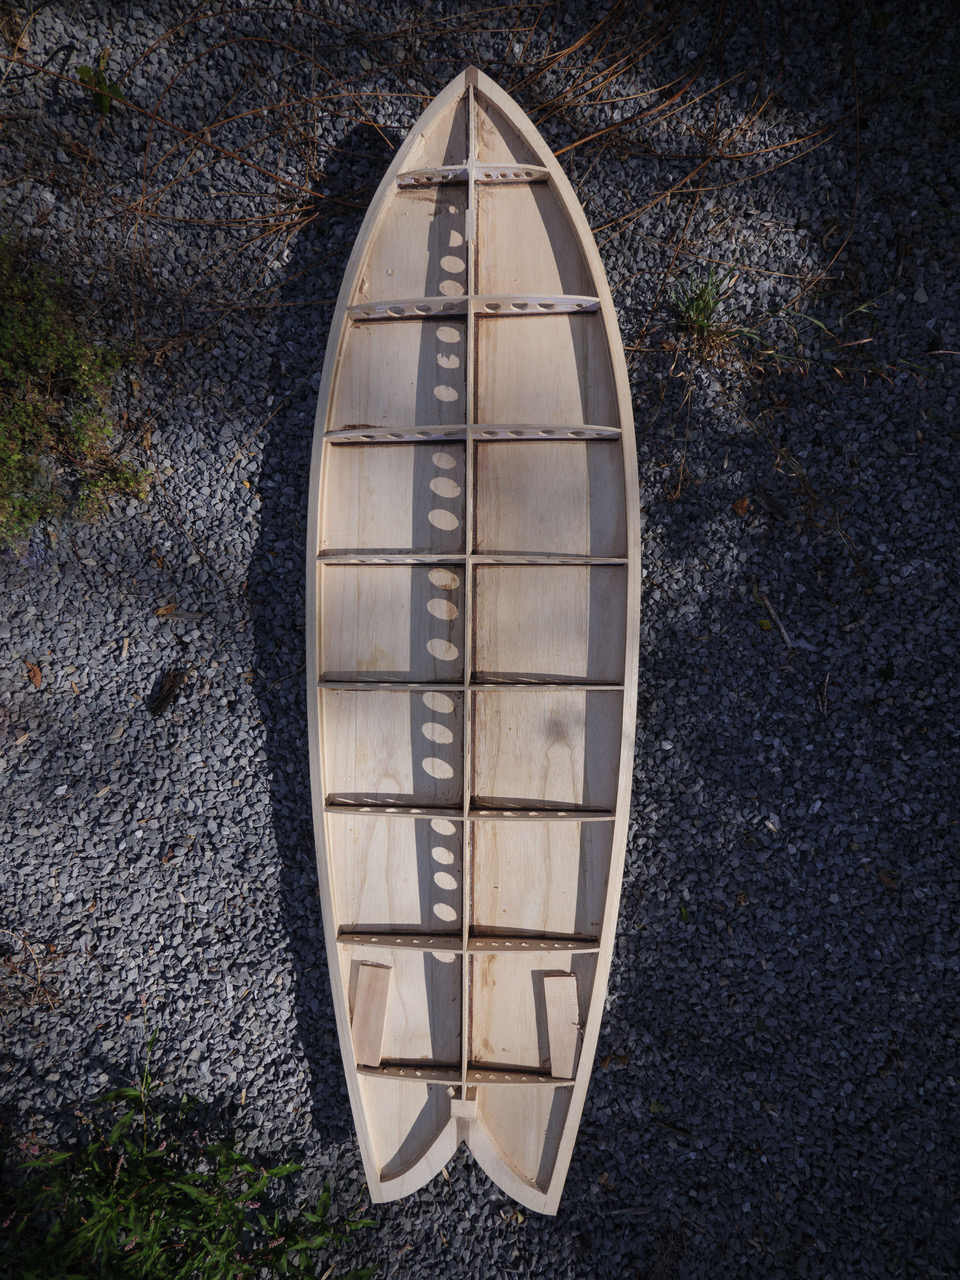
<point>55,383</point>
<point>144,1198</point>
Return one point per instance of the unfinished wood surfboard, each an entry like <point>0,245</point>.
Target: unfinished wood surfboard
<point>472,634</point>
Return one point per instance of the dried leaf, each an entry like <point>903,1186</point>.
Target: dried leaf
<point>742,506</point>
<point>125,649</point>
<point>34,675</point>
<point>656,1108</point>
<point>164,610</point>
<point>765,624</point>
<point>888,879</point>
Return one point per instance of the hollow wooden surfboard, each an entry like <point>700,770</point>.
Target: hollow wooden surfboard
<point>472,635</point>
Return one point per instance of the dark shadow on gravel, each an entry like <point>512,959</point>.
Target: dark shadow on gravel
<point>276,587</point>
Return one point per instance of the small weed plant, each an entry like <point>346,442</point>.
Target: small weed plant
<point>55,381</point>
<point>699,308</point>
<point>105,92</point>
<point>143,1199</point>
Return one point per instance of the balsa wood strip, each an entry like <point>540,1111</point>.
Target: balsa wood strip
<point>563,1022</point>
<point>472,618</point>
<point>369,1012</point>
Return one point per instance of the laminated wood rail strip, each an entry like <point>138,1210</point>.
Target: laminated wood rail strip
<point>472,636</point>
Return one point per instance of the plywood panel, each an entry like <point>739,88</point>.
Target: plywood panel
<point>534,748</point>
<point>527,243</point>
<point>498,141</point>
<point>392,748</point>
<point>420,251</point>
<point>445,142</point>
<point>526,1124</point>
<point>552,622</point>
<point>552,369</point>
<point>508,1016</point>
<point>421,1023</point>
<point>393,497</point>
<point>390,622</point>
<point>401,373</point>
<point>557,497</point>
<point>396,873</point>
<point>405,1120</point>
<point>540,877</point>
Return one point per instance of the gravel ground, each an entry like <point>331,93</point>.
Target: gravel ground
<point>775,1091</point>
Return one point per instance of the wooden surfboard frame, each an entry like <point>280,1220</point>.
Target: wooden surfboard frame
<point>383,638</point>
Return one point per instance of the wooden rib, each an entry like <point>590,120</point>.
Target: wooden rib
<point>370,1012</point>
<point>507,682</point>
<point>408,309</point>
<point>475,1076</point>
<point>488,174</point>
<point>390,557</point>
<point>443,173</point>
<point>379,809</point>
<point>520,431</point>
<point>481,943</point>
<point>360,434</point>
<point>483,305</point>
<point>522,943</point>
<point>563,1022</point>
<point>415,1074</point>
<point>481,1076</point>
<point>484,813</point>
<point>391,686</point>
<point>412,941</point>
<point>496,173</point>
<point>458,557</point>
